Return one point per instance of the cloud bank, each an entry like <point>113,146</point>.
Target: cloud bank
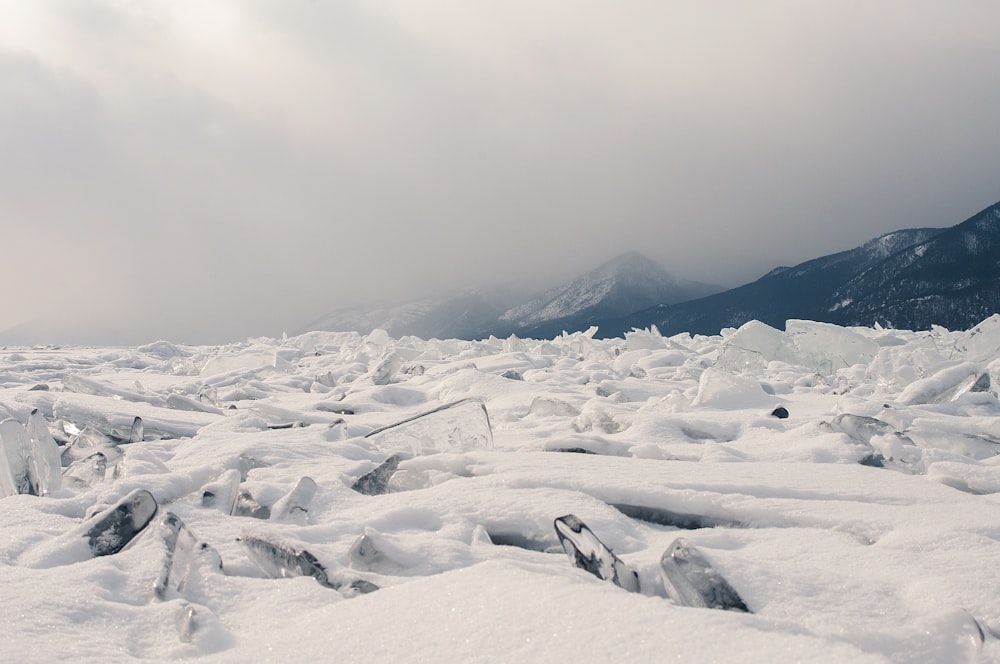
<point>210,171</point>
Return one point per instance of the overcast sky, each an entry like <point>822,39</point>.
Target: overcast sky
<point>207,171</point>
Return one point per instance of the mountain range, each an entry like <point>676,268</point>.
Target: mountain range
<point>911,279</point>
<point>908,279</point>
<point>628,283</point>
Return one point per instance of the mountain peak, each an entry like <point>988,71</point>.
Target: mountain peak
<point>630,264</point>
<point>626,283</point>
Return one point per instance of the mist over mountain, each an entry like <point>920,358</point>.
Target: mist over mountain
<point>624,284</point>
<point>462,315</point>
<point>909,279</point>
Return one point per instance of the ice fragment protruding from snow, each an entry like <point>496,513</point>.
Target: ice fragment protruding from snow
<point>246,505</point>
<point>727,391</point>
<point>690,580</point>
<point>281,561</point>
<point>221,492</point>
<point>589,553</point>
<point>294,506</point>
<point>15,460</point>
<point>821,347</point>
<point>110,531</point>
<point>376,482</point>
<point>184,553</point>
<point>460,426</point>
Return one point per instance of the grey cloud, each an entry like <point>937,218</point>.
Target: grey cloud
<point>230,169</point>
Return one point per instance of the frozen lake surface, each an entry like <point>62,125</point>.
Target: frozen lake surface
<point>377,499</point>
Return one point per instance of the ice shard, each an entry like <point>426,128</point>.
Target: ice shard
<point>947,384</point>
<point>386,371</point>
<point>181,402</point>
<point>367,553</point>
<point>246,505</point>
<point>376,482</point>
<point>221,492</point>
<point>589,553</point>
<point>15,460</point>
<point>110,531</point>
<point>295,504</point>
<point>45,454</point>
<point>281,561</point>
<point>860,427</point>
<point>888,447</point>
<point>84,385</point>
<point>690,580</point>
<point>184,553</point>
<point>137,431</point>
<point>88,471</point>
<point>455,427</point>
<point>86,443</point>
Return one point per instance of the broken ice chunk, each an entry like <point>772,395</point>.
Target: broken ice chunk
<point>947,385</point>
<point>727,391</point>
<point>86,443</point>
<point>690,580</point>
<point>110,531</point>
<point>184,552</point>
<point>246,505</point>
<point>45,454</point>
<point>136,433</point>
<point>367,553</point>
<point>386,370</point>
<point>15,460</point>
<point>88,471</point>
<point>552,407</point>
<point>295,505</point>
<point>455,427</point>
<point>376,482</point>
<point>221,492</point>
<point>589,553</point>
<point>281,561</point>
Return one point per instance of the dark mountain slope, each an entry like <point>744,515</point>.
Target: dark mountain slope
<point>803,291</point>
<point>952,279</point>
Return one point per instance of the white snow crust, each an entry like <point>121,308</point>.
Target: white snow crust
<point>866,522</point>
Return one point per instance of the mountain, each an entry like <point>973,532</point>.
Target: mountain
<point>803,291</point>
<point>627,283</point>
<point>461,315</point>
<point>951,279</point>
<point>624,284</point>
<point>906,279</point>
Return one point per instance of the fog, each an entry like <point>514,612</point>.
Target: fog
<point>205,172</point>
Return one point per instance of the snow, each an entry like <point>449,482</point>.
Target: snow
<point>862,528</point>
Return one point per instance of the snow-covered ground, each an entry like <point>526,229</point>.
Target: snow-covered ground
<point>862,527</point>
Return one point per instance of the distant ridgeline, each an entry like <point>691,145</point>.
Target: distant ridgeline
<point>908,279</point>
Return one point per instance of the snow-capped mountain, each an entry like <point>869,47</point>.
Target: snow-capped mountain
<point>627,283</point>
<point>951,279</point>
<point>624,284</point>
<point>910,278</point>
<point>801,291</point>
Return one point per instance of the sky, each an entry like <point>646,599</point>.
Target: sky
<point>210,171</point>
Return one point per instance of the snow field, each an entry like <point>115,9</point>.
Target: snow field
<point>862,527</point>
